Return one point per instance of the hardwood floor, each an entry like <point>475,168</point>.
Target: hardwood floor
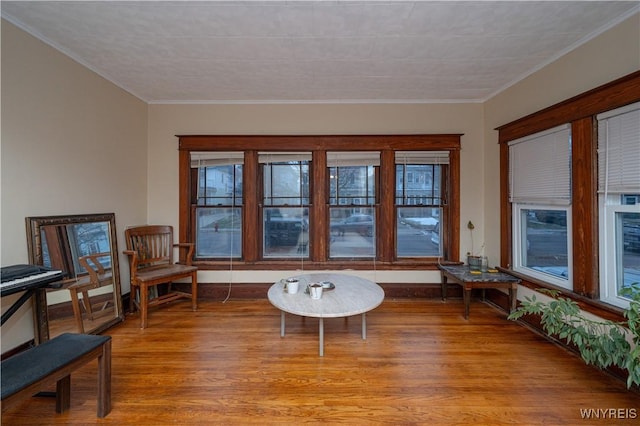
<point>422,363</point>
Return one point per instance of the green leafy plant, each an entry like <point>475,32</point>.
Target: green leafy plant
<point>602,343</point>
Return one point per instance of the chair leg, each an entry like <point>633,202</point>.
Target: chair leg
<point>132,296</point>
<point>144,305</point>
<point>194,291</point>
<point>87,304</point>
<point>77,313</point>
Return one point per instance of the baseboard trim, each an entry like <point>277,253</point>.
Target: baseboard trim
<point>218,291</point>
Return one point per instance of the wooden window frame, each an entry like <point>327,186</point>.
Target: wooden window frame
<point>580,112</point>
<point>387,145</point>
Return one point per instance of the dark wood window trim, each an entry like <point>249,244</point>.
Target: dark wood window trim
<point>580,111</point>
<point>318,146</point>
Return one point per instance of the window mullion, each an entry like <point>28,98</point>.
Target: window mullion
<point>251,185</point>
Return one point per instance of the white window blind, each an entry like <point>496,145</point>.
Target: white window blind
<point>216,158</point>
<point>540,167</point>
<point>353,158</point>
<point>422,157</point>
<point>283,157</point>
<point>619,150</point>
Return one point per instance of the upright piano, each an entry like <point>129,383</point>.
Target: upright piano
<point>27,279</point>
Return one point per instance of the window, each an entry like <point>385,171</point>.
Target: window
<point>352,200</point>
<point>218,204</point>
<point>285,202</point>
<point>619,201</point>
<point>265,202</point>
<point>540,193</point>
<point>601,220</point>
<point>541,246</point>
<point>419,202</point>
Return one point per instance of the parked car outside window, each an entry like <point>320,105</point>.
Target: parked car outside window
<point>359,223</point>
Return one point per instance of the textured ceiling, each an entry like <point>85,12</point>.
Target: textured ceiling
<point>315,51</point>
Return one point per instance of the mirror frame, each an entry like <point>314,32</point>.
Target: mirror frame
<point>34,243</point>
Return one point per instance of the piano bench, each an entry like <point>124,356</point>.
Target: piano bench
<point>26,373</point>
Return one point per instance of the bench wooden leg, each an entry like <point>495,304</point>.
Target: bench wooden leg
<point>104,380</point>
<point>63,394</point>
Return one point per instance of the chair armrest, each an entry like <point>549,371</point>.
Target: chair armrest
<point>82,285</point>
<point>189,247</point>
<point>133,262</point>
<point>97,268</point>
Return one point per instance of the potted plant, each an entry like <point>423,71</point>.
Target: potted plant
<point>602,343</point>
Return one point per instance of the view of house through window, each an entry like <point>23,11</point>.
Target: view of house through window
<point>352,199</point>
<point>419,199</point>
<point>218,209</point>
<point>285,203</point>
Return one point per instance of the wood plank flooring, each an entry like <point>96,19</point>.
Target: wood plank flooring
<point>422,364</point>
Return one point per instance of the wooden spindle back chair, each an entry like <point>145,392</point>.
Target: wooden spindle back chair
<point>150,250</point>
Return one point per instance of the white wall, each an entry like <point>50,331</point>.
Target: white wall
<point>166,121</point>
<point>72,143</point>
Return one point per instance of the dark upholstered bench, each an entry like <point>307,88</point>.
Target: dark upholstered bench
<point>24,374</point>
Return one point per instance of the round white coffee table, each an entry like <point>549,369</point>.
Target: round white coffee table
<point>352,296</point>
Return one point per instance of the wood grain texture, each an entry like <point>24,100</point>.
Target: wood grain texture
<point>422,363</point>
<point>584,204</point>
<point>614,94</point>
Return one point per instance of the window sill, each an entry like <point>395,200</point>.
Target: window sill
<point>595,307</point>
<point>358,265</point>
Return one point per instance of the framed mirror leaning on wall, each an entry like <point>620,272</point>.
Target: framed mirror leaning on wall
<point>85,248</point>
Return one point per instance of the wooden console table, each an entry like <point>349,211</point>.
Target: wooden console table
<point>461,274</point>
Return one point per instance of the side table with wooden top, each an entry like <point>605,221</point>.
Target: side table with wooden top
<point>469,280</point>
